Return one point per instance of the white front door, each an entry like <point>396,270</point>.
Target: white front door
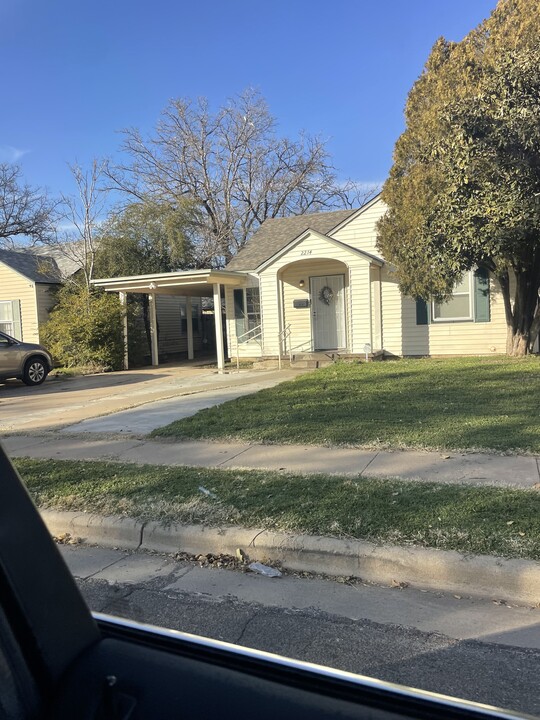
<point>328,312</point>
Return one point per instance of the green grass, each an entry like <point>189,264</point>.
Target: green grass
<point>484,403</point>
<point>478,520</point>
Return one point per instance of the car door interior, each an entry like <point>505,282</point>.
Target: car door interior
<point>57,660</point>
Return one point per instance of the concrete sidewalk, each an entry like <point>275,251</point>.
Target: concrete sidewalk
<point>519,471</point>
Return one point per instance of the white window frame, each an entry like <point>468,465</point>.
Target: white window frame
<point>248,338</point>
<point>470,293</point>
<point>11,322</point>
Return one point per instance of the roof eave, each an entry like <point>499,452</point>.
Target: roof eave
<point>190,278</point>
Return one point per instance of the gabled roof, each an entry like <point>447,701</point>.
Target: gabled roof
<point>339,243</point>
<point>38,268</point>
<point>41,264</point>
<point>275,233</point>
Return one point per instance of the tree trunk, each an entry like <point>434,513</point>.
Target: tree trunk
<point>523,314</point>
<point>517,343</point>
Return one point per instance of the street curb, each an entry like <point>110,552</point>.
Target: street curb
<point>484,576</point>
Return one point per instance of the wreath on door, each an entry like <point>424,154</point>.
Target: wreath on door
<point>326,295</point>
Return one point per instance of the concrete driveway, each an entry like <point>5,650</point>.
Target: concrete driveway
<point>60,403</point>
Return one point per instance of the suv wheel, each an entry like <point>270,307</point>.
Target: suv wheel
<point>35,371</point>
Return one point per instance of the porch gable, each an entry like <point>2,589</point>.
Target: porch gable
<point>312,243</point>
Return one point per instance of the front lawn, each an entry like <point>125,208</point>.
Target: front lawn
<point>458,403</point>
<point>498,521</point>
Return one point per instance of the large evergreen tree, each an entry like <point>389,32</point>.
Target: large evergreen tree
<point>464,189</point>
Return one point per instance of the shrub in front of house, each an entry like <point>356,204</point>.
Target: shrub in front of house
<point>85,329</point>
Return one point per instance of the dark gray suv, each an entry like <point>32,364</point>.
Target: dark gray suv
<point>29,362</point>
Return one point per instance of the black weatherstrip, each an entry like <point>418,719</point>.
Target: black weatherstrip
<point>47,614</point>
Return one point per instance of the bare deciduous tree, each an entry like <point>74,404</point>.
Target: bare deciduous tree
<point>80,216</point>
<point>25,212</point>
<point>234,167</point>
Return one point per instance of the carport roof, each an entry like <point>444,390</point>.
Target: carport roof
<point>198,283</point>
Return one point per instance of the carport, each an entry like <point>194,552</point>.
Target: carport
<point>188,284</point>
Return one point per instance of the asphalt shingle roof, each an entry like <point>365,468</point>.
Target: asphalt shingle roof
<point>66,256</point>
<point>43,264</point>
<point>274,234</point>
<point>39,268</point>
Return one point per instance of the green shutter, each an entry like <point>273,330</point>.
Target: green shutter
<point>16,315</point>
<point>481,295</point>
<point>421,312</point>
<point>239,312</point>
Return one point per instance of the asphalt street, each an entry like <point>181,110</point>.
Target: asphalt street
<point>149,588</point>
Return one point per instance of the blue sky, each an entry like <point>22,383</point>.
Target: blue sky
<point>75,73</point>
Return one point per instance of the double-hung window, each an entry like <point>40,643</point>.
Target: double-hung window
<point>10,318</point>
<point>247,313</point>
<point>470,302</point>
<point>459,306</point>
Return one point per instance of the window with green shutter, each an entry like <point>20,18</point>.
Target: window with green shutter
<point>459,306</point>
<point>421,312</point>
<point>481,295</point>
<point>470,301</point>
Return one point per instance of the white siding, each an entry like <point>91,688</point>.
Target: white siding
<point>14,286</point>
<point>376,307</point>
<point>300,318</point>
<point>46,300</point>
<point>171,309</point>
<point>391,301</point>
<point>456,338</point>
<point>402,336</point>
<point>314,255</point>
<point>361,232</point>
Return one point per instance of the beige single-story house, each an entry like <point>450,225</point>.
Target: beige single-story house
<point>316,283</point>
<point>323,284</point>
<point>27,285</point>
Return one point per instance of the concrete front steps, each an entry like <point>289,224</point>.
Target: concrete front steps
<point>313,360</point>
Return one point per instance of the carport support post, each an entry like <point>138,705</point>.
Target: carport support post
<point>153,328</point>
<point>123,303</point>
<point>218,322</point>
<point>189,320</point>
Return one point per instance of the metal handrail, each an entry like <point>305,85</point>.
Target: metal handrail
<point>251,337</point>
<point>307,342</point>
<point>283,335</point>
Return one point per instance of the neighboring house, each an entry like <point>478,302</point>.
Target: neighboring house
<point>316,283</point>
<point>27,285</point>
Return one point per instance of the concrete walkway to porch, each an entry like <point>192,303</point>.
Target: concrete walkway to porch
<point>519,471</point>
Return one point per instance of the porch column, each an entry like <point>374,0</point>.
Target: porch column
<point>189,319</point>
<point>220,350</point>
<point>153,328</point>
<point>123,303</point>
